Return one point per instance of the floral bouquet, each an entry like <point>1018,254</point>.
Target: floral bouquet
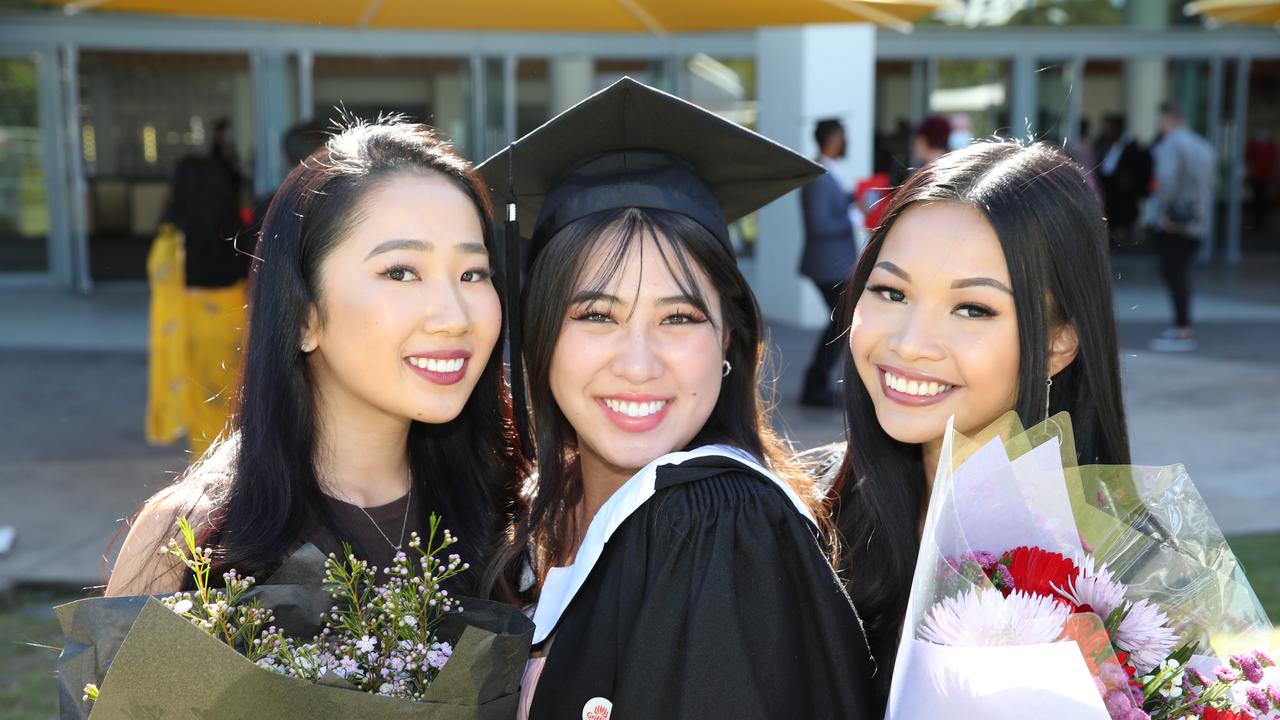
<point>375,648</point>
<point>1048,590</point>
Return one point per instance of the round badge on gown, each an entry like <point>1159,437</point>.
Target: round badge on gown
<point>597,708</point>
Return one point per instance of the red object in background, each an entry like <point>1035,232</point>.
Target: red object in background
<point>246,216</point>
<point>872,195</point>
<point>1260,156</point>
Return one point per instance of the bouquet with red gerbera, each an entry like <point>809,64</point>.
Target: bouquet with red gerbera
<point>1048,590</point>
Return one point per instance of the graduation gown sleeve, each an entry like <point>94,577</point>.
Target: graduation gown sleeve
<point>713,600</point>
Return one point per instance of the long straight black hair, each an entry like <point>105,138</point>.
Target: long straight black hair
<point>740,417</point>
<point>1054,239</point>
<point>468,470</point>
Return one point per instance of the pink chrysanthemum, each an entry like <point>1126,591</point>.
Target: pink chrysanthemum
<point>988,618</point>
<point>1145,634</point>
<point>1258,699</point>
<point>1095,587</point>
<point>1249,666</point>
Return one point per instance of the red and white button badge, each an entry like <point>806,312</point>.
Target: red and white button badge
<point>597,708</point>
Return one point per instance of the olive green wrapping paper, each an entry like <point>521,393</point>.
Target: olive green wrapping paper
<point>151,663</point>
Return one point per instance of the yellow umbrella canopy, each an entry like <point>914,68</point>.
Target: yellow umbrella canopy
<point>657,16</point>
<point>1262,12</point>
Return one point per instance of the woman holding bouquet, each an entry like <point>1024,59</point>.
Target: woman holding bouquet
<point>986,288</point>
<point>676,555</point>
<point>371,395</point>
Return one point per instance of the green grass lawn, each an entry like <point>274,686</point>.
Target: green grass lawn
<point>28,687</point>
<point>29,690</point>
<point>1260,556</point>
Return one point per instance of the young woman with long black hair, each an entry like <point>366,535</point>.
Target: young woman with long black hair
<point>986,288</point>
<point>372,391</point>
<point>677,556</point>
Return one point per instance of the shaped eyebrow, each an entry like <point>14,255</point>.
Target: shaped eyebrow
<point>956,285</point>
<point>466,248</point>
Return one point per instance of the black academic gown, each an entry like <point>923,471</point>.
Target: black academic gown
<point>712,599</point>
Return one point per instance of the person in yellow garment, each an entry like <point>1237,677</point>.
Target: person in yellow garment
<point>198,280</point>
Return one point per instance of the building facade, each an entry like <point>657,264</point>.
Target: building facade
<point>95,108</point>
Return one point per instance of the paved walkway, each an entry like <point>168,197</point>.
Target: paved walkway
<point>73,392</point>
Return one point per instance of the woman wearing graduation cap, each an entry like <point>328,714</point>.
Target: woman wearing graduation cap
<point>677,558</point>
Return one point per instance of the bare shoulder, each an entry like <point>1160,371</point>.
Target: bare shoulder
<point>141,567</point>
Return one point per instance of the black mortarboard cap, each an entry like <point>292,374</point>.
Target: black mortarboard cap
<point>631,145</point>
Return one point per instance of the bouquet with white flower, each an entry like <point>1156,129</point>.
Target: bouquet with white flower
<point>411,647</point>
<point>1048,590</point>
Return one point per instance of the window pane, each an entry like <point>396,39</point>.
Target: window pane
<point>430,90</point>
<point>24,211</point>
<point>139,114</point>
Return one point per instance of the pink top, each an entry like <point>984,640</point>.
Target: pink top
<point>532,671</point>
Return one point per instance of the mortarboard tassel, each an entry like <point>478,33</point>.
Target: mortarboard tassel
<point>513,319</point>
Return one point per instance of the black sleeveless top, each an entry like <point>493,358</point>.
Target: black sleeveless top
<point>358,530</point>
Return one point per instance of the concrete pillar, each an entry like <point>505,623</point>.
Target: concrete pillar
<point>452,112</point>
<point>1213,133</point>
<point>1235,161</point>
<point>1023,101</point>
<point>573,78</point>
<point>270,117</point>
<point>1145,86</point>
<point>60,142</point>
<point>805,74</point>
<point>306,85</point>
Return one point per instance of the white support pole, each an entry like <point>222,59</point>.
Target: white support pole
<point>306,85</point>
<point>63,246</point>
<point>1235,191</point>
<point>510,96</point>
<point>270,117</point>
<point>1023,104</point>
<point>1075,101</point>
<point>475,149</point>
<point>1213,128</point>
<point>804,75</point>
<point>572,80</point>
<point>73,168</point>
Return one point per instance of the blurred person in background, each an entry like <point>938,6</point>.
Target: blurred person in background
<point>300,140</point>
<point>932,140</point>
<point>961,131</point>
<point>1183,163</point>
<point>1123,174</point>
<point>1081,150</point>
<point>198,279</point>
<point>222,150</point>
<point>830,250</point>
